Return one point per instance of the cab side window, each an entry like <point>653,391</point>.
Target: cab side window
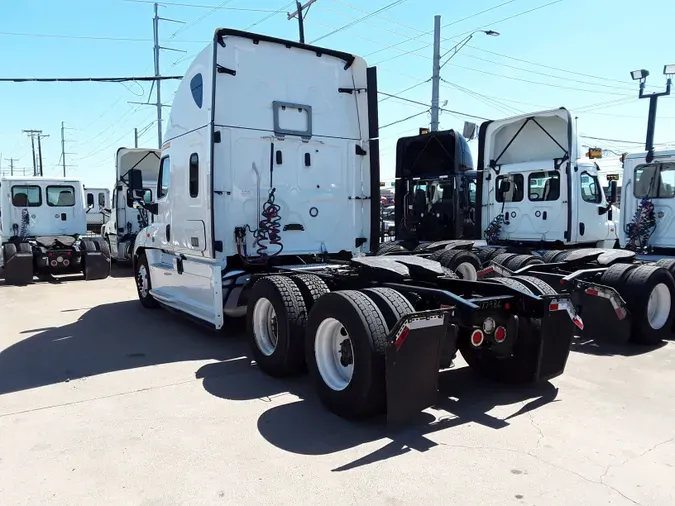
<point>164,177</point>
<point>26,196</point>
<point>90,199</point>
<point>544,186</point>
<point>590,188</point>
<point>510,188</point>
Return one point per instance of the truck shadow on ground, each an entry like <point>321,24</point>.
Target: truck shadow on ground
<point>108,338</point>
<point>306,427</point>
<point>608,349</point>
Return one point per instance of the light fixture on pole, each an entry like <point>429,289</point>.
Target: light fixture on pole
<point>437,65</point>
<point>641,75</point>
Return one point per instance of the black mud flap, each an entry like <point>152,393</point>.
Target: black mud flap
<point>18,269</point>
<point>96,265</point>
<point>605,317</point>
<point>557,331</point>
<point>412,364</point>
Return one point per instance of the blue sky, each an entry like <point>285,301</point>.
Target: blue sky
<point>572,53</point>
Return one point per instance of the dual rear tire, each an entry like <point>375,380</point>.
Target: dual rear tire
<point>295,323</point>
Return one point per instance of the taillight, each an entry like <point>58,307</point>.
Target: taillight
<point>500,334</point>
<point>477,337</point>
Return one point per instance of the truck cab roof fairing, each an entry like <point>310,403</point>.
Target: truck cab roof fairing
<point>544,135</point>
<point>435,153</point>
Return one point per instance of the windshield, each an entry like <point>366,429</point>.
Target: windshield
<point>655,181</point>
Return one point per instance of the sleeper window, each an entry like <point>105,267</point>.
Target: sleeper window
<point>514,192</point>
<point>101,199</point>
<point>544,186</point>
<point>194,175</point>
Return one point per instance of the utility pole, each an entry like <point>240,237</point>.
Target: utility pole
<point>40,136</point>
<point>436,76</point>
<point>136,137</point>
<point>158,90</point>
<point>11,165</point>
<point>32,134</point>
<point>158,83</point>
<point>299,9</point>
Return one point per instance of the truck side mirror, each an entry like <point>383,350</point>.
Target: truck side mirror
<point>135,190</point>
<point>612,192</point>
<point>135,179</point>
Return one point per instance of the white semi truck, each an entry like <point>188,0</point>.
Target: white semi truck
<point>267,206</point>
<point>538,210</point>
<point>648,207</point>
<point>42,230</point>
<point>124,220</point>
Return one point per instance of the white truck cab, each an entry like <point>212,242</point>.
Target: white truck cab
<point>266,161</point>
<point>652,183</point>
<point>42,224</point>
<point>124,220</point>
<point>98,202</point>
<point>534,180</point>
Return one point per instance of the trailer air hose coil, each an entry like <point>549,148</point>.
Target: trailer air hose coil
<point>269,227</point>
<point>641,228</point>
<point>493,229</point>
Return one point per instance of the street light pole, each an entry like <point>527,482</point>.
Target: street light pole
<point>436,75</point>
<point>437,66</point>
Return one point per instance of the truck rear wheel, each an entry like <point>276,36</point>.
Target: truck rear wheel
<point>387,248</point>
<point>143,283</point>
<point>464,263</point>
<point>275,324</point>
<point>347,336</point>
<point>649,291</point>
<point>392,304</point>
<point>311,287</point>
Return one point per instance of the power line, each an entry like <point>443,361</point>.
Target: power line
<point>446,39</point>
<point>422,34</point>
<point>357,21</point>
<point>87,79</point>
<point>177,4</point>
<point>427,105</point>
<point>406,90</point>
<point>403,119</point>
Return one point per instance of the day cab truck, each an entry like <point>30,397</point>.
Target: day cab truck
<point>532,207</point>
<point>648,208</point>
<point>124,220</point>
<point>267,208</point>
<point>42,230</point>
<point>98,202</point>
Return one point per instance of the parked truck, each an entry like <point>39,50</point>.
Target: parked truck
<point>126,220</point>
<point>98,204</point>
<point>42,230</point>
<point>267,208</point>
<point>532,208</point>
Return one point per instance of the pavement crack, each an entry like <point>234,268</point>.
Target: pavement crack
<point>541,433</point>
<point>555,466</point>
